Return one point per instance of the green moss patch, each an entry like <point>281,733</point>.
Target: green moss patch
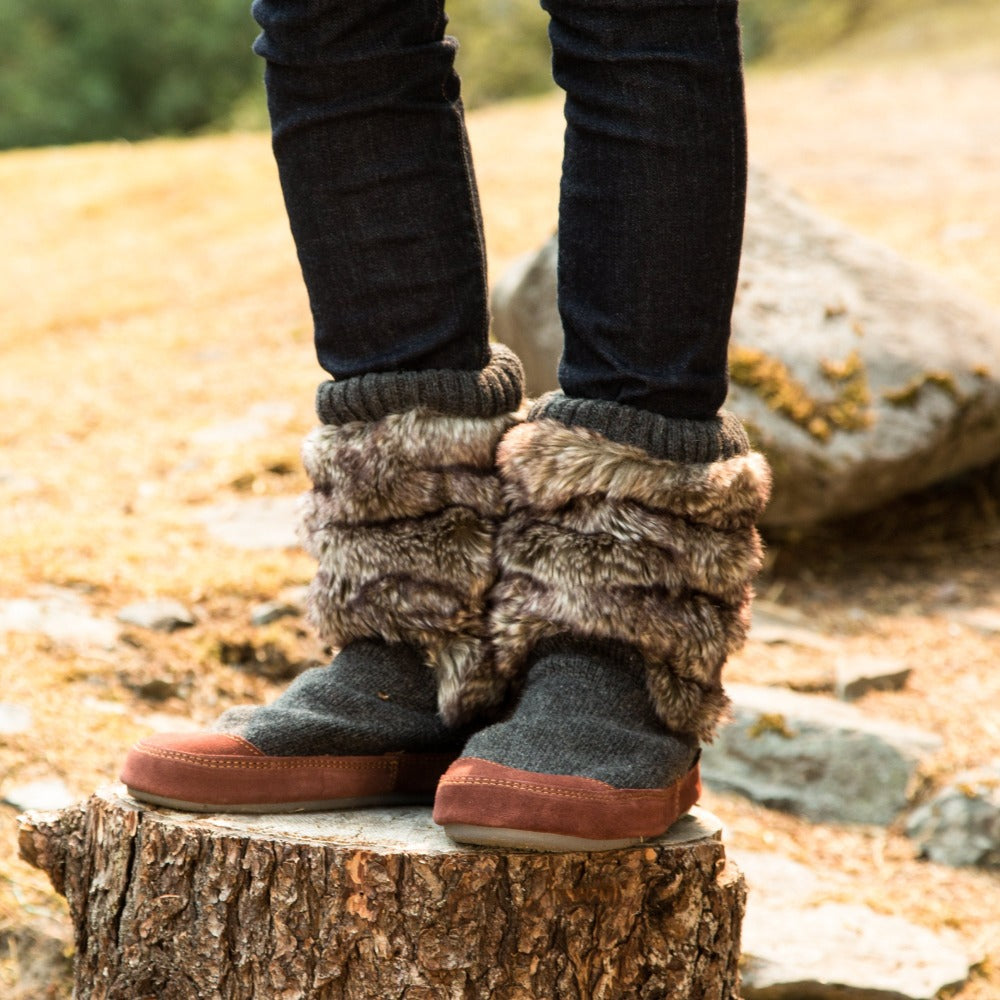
<point>769,378</point>
<point>910,393</point>
<point>771,722</point>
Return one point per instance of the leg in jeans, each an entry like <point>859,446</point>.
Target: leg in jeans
<point>369,136</point>
<point>652,199</point>
<point>374,163</point>
<point>629,545</point>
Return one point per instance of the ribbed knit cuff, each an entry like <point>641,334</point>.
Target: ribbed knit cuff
<point>695,441</point>
<point>491,392</point>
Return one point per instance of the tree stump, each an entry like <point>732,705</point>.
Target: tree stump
<point>378,905</point>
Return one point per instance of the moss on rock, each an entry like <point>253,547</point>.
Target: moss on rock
<point>910,393</point>
<point>770,379</point>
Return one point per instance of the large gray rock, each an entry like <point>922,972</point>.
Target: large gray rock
<point>798,947</point>
<point>961,824</point>
<point>861,376</point>
<point>526,319</point>
<point>814,756</point>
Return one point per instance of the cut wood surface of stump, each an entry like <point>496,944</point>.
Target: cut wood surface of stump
<point>378,904</point>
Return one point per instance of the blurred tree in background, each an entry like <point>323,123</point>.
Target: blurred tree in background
<point>503,48</point>
<point>74,70</point>
<point>121,69</point>
<point>797,28</point>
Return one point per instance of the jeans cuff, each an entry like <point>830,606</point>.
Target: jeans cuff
<point>677,439</point>
<point>496,389</point>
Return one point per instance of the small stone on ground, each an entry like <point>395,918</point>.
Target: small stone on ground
<point>157,689</point>
<point>159,615</point>
<point>857,675</point>
<point>797,945</point>
<point>14,719</point>
<point>271,611</point>
<point>961,824</point>
<point>257,523</point>
<point>61,615</point>
<point>767,628</point>
<point>49,793</point>
<point>985,620</point>
<point>814,756</point>
<point>258,422</point>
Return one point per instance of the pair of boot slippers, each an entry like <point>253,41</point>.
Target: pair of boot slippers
<point>554,774</point>
<point>596,584</point>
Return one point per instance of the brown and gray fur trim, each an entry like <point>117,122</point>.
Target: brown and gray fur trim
<point>604,541</point>
<point>402,519</point>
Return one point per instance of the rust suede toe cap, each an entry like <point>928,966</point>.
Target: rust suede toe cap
<point>204,770</point>
<point>481,793</point>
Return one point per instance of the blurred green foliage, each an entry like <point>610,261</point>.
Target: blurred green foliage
<point>503,49</point>
<point>122,69</point>
<point>783,31</point>
<point>75,71</point>
<point>797,28</point>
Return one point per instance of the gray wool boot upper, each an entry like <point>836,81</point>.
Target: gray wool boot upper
<point>374,698</point>
<point>585,710</point>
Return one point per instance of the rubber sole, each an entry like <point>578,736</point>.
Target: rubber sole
<point>260,808</point>
<point>531,840</point>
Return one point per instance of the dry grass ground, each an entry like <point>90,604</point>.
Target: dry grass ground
<point>150,291</point>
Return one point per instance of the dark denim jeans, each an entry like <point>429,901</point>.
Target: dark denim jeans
<point>375,166</point>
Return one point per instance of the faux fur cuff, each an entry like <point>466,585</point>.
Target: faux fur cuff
<point>603,541</point>
<point>401,519</point>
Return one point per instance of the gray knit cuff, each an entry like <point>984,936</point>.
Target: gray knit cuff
<point>680,440</point>
<point>491,392</point>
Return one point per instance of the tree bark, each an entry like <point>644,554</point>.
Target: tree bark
<point>380,905</point>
